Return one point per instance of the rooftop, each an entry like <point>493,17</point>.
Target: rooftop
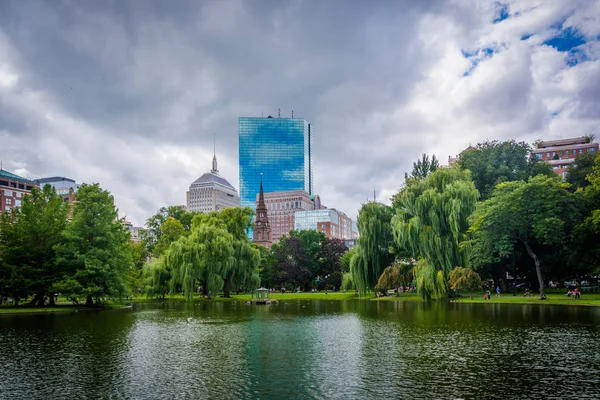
<point>209,177</point>
<point>563,142</point>
<point>54,179</point>
<point>10,175</point>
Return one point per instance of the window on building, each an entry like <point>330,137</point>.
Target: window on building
<point>548,154</point>
<point>8,193</point>
<point>593,149</point>
<point>580,151</point>
<point>538,155</point>
<point>567,152</point>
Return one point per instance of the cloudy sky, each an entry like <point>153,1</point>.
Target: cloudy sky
<point>130,93</point>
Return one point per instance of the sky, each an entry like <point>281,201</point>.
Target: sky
<point>129,94</point>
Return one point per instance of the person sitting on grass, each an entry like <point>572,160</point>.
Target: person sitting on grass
<point>526,293</point>
<point>569,293</point>
<point>576,293</point>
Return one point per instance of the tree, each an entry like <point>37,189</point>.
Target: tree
<point>397,274</point>
<point>423,167</point>
<point>153,231</point>
<point>374,249</point>
<point>243,268</point>
<point>139,256</point>
<point>28,236</point>
<point>95,247</point>
<point>431,221</point>
<point>313,243</point>
<point>332,251</point>
<point>290,261</point>
<point>494,162</point>
<point>171,230</point>
<point>532,213</point>
<point>461,278</point>
<point>157,278</point>
<point>203,258</point>
<point>580,169</point>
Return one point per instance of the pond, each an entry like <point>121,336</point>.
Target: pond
<point>304,350</point>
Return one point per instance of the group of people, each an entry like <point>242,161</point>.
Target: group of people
<point>575,293</point>
<point>407,288</point>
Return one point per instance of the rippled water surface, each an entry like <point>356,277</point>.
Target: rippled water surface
<point>304,350</point>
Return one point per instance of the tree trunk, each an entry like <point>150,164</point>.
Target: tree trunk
<point>89,302</point>
<point>538,270</point>
<point>205,288</point>
<point>51,302</point>
<point>227,287</point>
<point>40,299</point>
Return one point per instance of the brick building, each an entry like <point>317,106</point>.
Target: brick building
<point>333,223</point>
<point>282,207</point>
<point>562,153</point>
<point>12,189</point>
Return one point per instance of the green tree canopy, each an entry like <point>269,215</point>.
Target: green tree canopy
<point>431,221</point>
<point>28,236</point>
<point>462,278</point>
<point>578,171</point>
<point>423,167</point>
<point>171,230</point>
<point>533,213</point>
<point>95,247</point>
<point>153,231</point>
<point>202,258</point>
<point>374,250</point>
<point>494,162</point>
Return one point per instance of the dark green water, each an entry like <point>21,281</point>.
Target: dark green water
<point>304,350</point>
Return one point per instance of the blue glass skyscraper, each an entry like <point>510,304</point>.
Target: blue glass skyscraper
<point>279,148</point>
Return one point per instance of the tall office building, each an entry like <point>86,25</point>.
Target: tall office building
<point>279,148</point>
<point>211,192</point>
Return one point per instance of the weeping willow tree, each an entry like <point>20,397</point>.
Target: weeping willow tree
<point>157,277</point>
<point>400,273</point>
<point>373,252</point>
<point>431,221</point>
<point>203,258</point>
<point>243,266</point>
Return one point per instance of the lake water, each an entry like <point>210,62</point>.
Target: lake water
<point>304,350</point>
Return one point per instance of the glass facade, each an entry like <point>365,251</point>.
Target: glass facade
<point>279,148</point>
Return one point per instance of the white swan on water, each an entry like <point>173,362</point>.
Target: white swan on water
<point>188,319</point>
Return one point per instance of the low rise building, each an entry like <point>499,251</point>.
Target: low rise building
<point>12,189</point>
<point>282,207</point>
<point>563,152</point>
<point>333,223</point>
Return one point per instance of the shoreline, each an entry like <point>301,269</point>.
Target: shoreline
<point>587,299</point>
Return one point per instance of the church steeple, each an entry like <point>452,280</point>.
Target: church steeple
<point>262,228</point>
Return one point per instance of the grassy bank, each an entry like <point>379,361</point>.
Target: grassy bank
<point>587,299</point>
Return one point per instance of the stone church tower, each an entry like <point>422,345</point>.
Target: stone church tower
<point>262,228</point>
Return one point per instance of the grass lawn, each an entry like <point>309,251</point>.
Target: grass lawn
<point>587,299</point>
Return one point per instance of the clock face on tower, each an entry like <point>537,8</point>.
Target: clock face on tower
<point>258,223</point>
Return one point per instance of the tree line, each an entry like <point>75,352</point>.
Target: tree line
<point>496,211</point>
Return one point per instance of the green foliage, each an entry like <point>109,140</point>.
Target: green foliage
<point>153,231</point>
<point>347,258</point>
<point>171,230</point>
<point>347,282</point>
<point>27,238</point>
<point>461,278</point>
<point>431,222</point>
<point>157,277</point>
<point>423,167</point>
<point>430,283</point>
<point>95,247</point>
<point>373,252</point>
<point>534,213</point>
<point>494,162</point>
<point>578,171</point>
<point>204,258</point>
<point>400,273</point>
